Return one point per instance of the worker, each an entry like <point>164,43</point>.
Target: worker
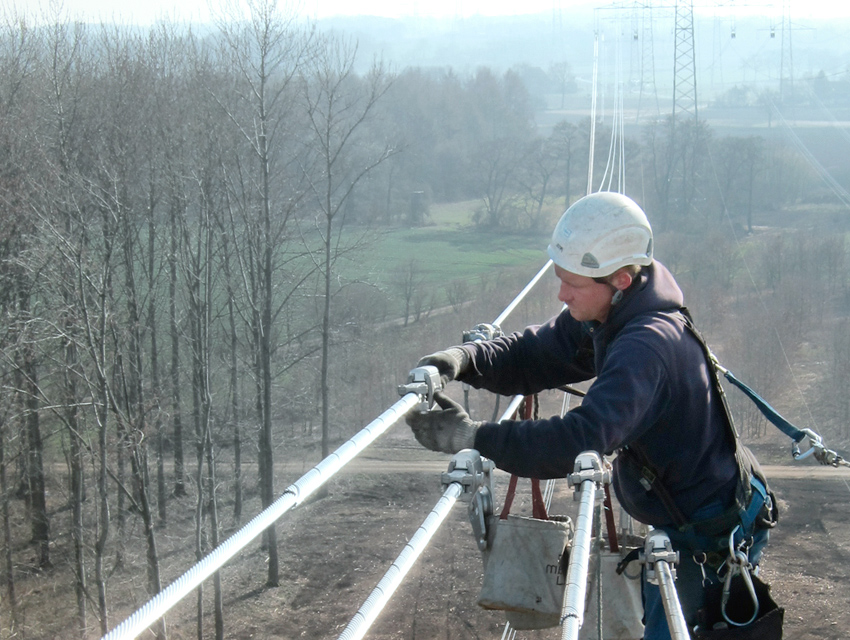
<point>655,401</point>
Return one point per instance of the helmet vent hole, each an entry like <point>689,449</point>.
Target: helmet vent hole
<point>589,260</point>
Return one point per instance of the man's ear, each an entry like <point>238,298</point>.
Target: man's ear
<point>621,280</point>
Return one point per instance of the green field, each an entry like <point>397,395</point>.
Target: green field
<point>450,248</point>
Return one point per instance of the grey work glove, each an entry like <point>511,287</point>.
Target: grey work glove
<point>449,429</point>
<point>450,363</point>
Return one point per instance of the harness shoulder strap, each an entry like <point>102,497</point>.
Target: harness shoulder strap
<point>744,490</point>
<point>649,476</point>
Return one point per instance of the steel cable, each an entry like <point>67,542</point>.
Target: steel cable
<point>160,604</point>
<point>394,576</point>
<point>157,606</point>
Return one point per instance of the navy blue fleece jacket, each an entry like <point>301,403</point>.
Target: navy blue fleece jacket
<point>653,387</point>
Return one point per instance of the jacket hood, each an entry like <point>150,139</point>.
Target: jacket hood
<point>653,290</point>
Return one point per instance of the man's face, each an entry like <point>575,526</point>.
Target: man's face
<point>585,298</point>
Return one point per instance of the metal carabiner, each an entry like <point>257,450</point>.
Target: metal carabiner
<point>739,563</point>
<point>815,444</point>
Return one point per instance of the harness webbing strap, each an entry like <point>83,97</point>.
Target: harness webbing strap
<point>538,505</point>
<point>744,490</point>
<point>613,544</point>
<point>649,475</point>
<point>650,481</point>
<point>769,412</point>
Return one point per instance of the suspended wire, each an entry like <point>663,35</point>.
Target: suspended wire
<point>616,163</point>
<point>619,96</point>
<point>608,173</point>
<point>593,91</point>
<point>840,192</point>
<point>757,289</point>
<point>531,284</point>
<point>622,184</point>
<point>834,121</point>
<point>160,604</point>
<point>394,576</point>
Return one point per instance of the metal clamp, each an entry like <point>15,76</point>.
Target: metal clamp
<point>481,332</point>
<point>474,474</point>
<point>589,466</point>
<point>658,548</point>
<point>424,382</point>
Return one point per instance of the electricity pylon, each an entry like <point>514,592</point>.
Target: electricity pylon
<point>684,62</point>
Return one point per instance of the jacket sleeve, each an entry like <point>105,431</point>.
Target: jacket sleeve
<point>541,357</point>
<point>628,397</point>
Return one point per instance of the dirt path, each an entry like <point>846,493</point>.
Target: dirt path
<point>335,550</point>
<point>377,505</point>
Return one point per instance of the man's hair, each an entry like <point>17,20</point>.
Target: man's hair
<point>631,269</point>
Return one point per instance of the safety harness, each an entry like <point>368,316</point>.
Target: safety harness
<point>750,475</point>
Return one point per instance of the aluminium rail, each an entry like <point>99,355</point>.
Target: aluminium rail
<point>659,558</point>
<point>589,475</point>
<point>467,473</point>
<point>296,493</point>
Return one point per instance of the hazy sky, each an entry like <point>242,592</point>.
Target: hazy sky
<point>145,11</point>
<point>195,10</point>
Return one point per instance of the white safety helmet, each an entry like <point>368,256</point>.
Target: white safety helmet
<point>601,233</point>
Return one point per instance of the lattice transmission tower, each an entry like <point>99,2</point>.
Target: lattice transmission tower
<point>684,61</point>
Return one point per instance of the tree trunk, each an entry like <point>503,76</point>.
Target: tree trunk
<point>326,336</point>
<point>101,412</point>
<point>77,490</point>
<point>266,446</point>
<point>213,506</point>
<point>234,407</point>
<point>7,535</point>
<point>156,388</point>
<point>177,423</point>
<point>37,496</point>
<point>135,409</point>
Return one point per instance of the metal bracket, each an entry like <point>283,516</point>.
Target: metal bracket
<point>481,332</point>
<point>423,381</point>
<point>474,474</point>
<point>589,466</point>
<point>658,548</point>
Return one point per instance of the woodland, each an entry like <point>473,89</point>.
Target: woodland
<point>213,263</point>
